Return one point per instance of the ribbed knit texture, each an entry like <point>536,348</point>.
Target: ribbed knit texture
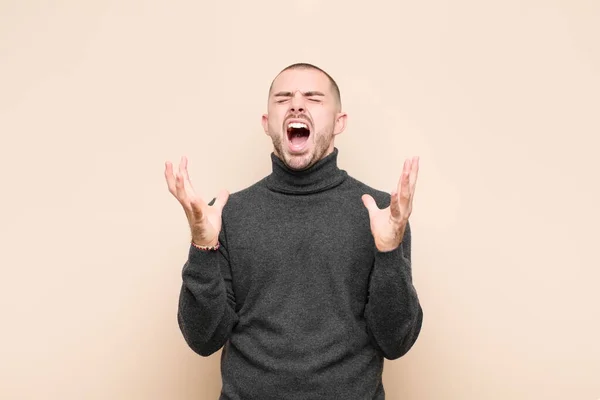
<point>298,297</point>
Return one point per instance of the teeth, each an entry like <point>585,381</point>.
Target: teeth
<point>297,125</point>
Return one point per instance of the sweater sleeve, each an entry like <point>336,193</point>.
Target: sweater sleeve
<point>206,314</point>
<point>393,311</point>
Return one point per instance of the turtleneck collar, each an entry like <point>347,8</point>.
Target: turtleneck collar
<point>323,175</point>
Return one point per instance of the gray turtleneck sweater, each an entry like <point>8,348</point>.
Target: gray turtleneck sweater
<point>301,301</point>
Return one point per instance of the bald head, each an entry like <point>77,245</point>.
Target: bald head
<point>334,87</point>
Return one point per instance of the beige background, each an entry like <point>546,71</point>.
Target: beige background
<point>500,99</point>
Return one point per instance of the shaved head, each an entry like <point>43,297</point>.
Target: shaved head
<point>334,86</point>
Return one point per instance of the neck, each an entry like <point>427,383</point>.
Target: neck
<point>322,175</point>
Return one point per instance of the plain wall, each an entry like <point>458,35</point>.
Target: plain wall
<point>500,99</point>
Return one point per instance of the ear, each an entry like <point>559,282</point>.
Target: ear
<point>265,123</point>
<point>340,123</point>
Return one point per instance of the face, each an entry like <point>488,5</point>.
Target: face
<point>303,117</point>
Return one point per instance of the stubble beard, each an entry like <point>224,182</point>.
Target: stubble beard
<point>304,161</point>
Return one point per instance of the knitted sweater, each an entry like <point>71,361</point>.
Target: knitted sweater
<point>298,297</point>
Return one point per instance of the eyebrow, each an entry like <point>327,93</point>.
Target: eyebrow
<point>308,94</point>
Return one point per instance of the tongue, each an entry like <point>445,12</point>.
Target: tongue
<point>298,140</point>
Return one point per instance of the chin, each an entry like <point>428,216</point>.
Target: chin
<point>298,161</point>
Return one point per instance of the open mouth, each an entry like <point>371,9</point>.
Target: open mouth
<point>297,133</point>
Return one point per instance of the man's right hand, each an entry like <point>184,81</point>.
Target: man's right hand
<point>204,220</point>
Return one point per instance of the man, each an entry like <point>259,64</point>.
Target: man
<point>304,278</point>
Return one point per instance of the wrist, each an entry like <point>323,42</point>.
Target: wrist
<point>387,249</point>
<point>204,243</point>
<point>198,239</point>
<point>209,247</point>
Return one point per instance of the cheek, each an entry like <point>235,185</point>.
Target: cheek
<point>323,122</point>
<point>321,115</point>
<point>275,121</point>
<point>274,126</point>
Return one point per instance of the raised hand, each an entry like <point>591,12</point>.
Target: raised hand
<point>388,224</point>
<point>204,220</point>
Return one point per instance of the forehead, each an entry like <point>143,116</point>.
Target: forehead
<point>304,79</point>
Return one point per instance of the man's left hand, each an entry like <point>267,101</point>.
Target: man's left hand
<point>388,224</point>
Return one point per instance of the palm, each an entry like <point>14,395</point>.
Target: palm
<point>204,219</point>
<point>388,224</point>
<point>385,231</point>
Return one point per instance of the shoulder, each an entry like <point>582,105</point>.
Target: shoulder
<point>248,192</point>
<point>248,197</point>
<point>354,185</point>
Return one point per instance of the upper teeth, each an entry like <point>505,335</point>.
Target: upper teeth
<point>298,125</point>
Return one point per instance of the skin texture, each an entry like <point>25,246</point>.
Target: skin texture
<point>307,95</point>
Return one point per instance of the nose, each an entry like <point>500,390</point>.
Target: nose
<point>297,103</point>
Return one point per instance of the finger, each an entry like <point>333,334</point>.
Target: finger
<point>414,174</point>
<point>405,192</point>
<point>174,183</point>
<point>370,204</point>
<point>182,162</point>
<point>183,172</point>
<point>395,206</point>
<point>170,178</point>
<point>405,170</point>
<point>186,175</point>
<point>180,189</point>
<point>404,183</point>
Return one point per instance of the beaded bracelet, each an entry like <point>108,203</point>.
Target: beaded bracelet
<point>207,248</point>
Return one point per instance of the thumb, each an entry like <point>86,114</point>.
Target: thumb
<point>221,200</point>
<point>369,203</point>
